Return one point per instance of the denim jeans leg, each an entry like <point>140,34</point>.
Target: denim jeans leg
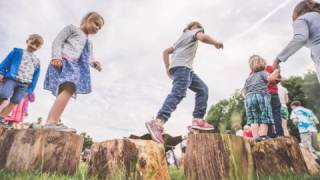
<point>276,112</point>
<point>202,94</point>
<point>181,82</point>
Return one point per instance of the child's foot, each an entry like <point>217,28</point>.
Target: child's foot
<point>201,124</point>
<point>261,138</point>
<point>155,130</point>
<point>60,127</point>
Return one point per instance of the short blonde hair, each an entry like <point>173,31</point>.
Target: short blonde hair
<point>191,24</point>
<point>91,15</point>
<point>257,63</point>
<point>36,37</point>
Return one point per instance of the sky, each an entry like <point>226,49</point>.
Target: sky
<point>133,84</point>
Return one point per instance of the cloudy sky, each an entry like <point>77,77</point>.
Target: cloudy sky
<point>133,84</point>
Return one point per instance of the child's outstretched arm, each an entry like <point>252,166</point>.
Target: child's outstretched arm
<point>166,56</point>
<point>209,40</point>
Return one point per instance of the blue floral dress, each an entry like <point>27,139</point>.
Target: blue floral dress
<point>72,71</point>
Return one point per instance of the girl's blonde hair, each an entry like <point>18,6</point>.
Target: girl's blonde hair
<point>257,63</point>
<point>304,7</point>
<point>91,15</point>
<point>190,25</point>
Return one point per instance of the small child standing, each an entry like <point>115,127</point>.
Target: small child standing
<point>68,73</point>
<point>306,121</point>
<point>19,73</point>
<point>257,98</point>
<point>180,70</point>
<point>20,111</point>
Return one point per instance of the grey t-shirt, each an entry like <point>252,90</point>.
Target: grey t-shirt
<point>185,49</point>
<point>257,82</point>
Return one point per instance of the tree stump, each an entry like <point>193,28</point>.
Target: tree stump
<point>217,156</point>
<point>128,159</point>
<point>309,159</point>
<point>278,156</point>
<point>38,149</point>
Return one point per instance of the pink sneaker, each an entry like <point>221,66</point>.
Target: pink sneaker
<point>201,124</point>
<point>155,130</point>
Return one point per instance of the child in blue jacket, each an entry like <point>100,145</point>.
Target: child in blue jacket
<point>19,73</point>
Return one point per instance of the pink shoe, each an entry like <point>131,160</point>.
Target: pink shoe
<point>155,130</point>
<point>201,124</point>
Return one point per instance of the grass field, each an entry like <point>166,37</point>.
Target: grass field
<point>175,174</point>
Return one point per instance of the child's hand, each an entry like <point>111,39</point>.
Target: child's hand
<point>218,45</point>
<point>97,65</point>
<point>1,77</point>
<point>275,75</point>
<point>56,63</point>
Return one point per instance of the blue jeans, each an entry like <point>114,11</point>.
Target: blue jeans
<point>14,89</point>
<point>276,112</point>
<point>183,79</point>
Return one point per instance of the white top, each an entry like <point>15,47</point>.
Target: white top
<point>282,92</point>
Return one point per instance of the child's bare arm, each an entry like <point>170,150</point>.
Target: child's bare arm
<point>166,56</point>
<point>209,40</point>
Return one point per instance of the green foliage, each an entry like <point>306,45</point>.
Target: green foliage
<point>228,114</point>
<point>87,141</point>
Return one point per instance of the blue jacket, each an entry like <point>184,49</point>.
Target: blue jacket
<point>9,67</point>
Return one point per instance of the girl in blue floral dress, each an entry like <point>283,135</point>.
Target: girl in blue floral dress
<point>68,73</point>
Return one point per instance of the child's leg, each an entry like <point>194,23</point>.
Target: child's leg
<point>181,82</point>
<point>255,130</point>
<point>7,109</point>
<point>263,129</point>
<point>285,127</point>
<point>66,91</point>
<point>276,108</point>
<point>202,94</point>
<point>315,143</point>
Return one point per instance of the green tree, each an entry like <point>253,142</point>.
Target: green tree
<point>87,141</point>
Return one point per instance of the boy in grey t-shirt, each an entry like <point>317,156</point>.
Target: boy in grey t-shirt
<point>180,70</point>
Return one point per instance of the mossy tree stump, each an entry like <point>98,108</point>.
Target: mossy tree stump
<point>41,150</point>
<point>128,159</point>
<point>278,156</point>
<point>217,156</point>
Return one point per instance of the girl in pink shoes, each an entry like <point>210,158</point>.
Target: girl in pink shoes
<point>181,71</point>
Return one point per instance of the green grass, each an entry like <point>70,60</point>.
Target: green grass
<point>176,174</point>
<point>81,174</point>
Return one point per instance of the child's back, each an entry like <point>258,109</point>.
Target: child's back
<point>257,83</point>
<point>305,119</point>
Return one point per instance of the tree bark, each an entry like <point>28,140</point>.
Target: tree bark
<point>278,156</point>
<point>309,158</point>
<point>128,159</point>
<point>217,156</point>
<point>38,149</point>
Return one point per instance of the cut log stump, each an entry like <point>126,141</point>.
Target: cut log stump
<point>309,158</point>
<point>38,149</point>
<point>278,156</point>
<point>128,159</point>
<point>217,156</point>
